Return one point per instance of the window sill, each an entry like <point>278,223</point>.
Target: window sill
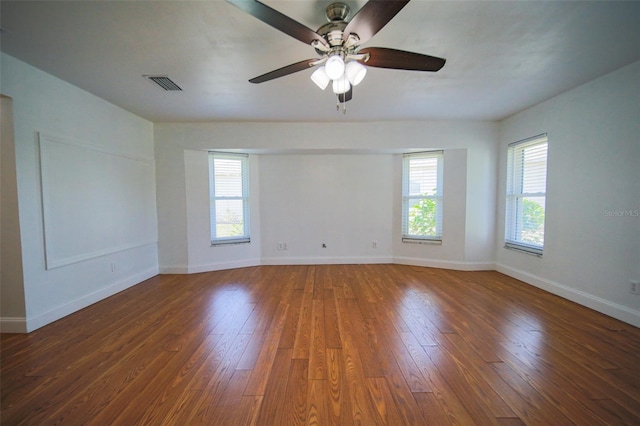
<point>230,242</point>
<point>421,241</point>
<point>532,251</point>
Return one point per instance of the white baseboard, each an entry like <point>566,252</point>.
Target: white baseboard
<point>174,269</point>
<point>324,260</point>
<point>446,264</point>
<point>86,300</point>
<point>617,311</point>
<point>208,267</point>
<point>13,325</point>
<point>431,263</point>
<point>220,266</point>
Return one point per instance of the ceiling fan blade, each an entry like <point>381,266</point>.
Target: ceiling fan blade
<point>281,72</point>
<point>278,20</point>
<point>382,57</point>
<point>370,19</point>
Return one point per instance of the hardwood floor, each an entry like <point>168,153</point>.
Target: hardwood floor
<point>326,344</point>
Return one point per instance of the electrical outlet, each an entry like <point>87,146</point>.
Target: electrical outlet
<point>374,244</point>
<point>284,246</point>
<point>634,287</point>
<point>280,246</point>
<point>113,266</point>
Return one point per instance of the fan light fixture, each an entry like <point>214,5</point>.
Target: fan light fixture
<point>341,85</point>
<point>334,67</point>
<point>355,72</point>
<point>342,76</point>
<point>320,78</point>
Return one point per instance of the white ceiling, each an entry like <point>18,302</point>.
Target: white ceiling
<point>502,57</point>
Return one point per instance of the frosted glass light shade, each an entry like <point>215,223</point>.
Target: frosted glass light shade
<point>355,72</point>
<point>334,67</point>
<point>320,78</point>
<point>341,85</point>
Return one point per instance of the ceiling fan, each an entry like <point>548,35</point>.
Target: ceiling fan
<point>342,61</point>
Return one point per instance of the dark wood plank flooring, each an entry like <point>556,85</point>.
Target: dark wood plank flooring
<point>326,345</point>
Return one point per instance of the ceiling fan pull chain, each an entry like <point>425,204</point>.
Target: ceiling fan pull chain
<point>344,105</point>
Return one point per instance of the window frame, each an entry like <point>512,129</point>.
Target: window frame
<point>515,195</point>
<point>407,197</point>
<point>244,197</point>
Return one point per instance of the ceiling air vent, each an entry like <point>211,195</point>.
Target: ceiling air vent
<point>163,81</point>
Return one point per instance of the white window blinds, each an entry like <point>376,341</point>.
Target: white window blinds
<point>526,194</point>
<point>422,196</point>
<point>229,198</point>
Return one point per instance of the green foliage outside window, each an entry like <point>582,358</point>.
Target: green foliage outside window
<point>230,225</point>
<point>422,217</point>
<point>533,222</point>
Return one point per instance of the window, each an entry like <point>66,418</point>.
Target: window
<point>229,198</point>
<point>526,194</point>
<point>422,196</point>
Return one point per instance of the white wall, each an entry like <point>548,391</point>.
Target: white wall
<point>482,166</point>
<point>12,307</point>
<point>342,201</point>
<point>590,252</point>
<point>315,168</point>
<point>45,104</point>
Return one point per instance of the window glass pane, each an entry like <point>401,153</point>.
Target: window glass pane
<point>423,217</point>
<point>229,195</point>
<point>229,218</point>
<point>423,176</point>
<point>228,178</point>
<point>526,194</point>
<point>534,164</point>
<point>530,227</point>
<point>422,196</point>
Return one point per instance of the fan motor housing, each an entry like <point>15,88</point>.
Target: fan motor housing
<point>332,32</point>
